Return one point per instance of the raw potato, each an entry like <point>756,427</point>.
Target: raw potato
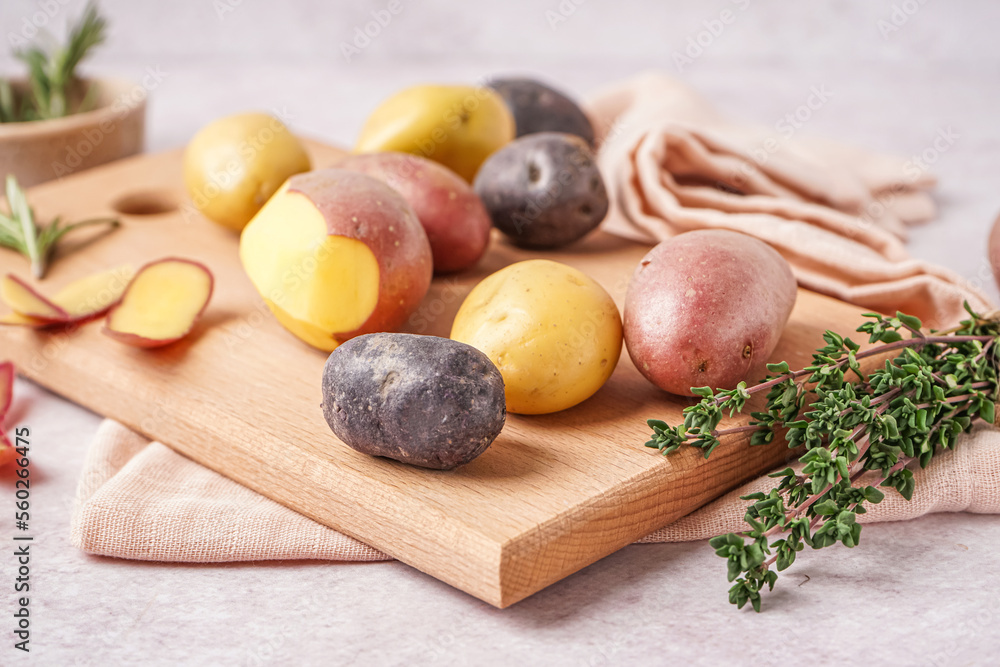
<point>161,304</point>
<point>234,164</point>
<point>553,332</point>
<point>457,224</point>
<point>423,400</point>
<point>80,301</point>
<point>458,126</point>
<point>541,108</point>
<point>543,190</point>
<point>337,254</point>
<point>707,308</point>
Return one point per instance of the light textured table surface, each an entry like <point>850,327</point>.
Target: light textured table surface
<point>926,592</point>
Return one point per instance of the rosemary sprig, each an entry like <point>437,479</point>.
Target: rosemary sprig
<point>916,404</point>
<point>52,71</point>
<point>20,232</point>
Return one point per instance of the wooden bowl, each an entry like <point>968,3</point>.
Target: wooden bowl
<point>41,150</point>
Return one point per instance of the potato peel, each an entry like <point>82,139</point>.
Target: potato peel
<point>6,388</point>
<point>16,319</point>
<point>7,451</point>
<point>94,295</point>
<point>161,304</point>
<point>80,301</point>
<point>25,300</point>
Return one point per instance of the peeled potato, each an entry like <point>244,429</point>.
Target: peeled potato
<point>336,254</point>
<point>161,304</point>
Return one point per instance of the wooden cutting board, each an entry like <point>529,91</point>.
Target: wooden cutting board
<point>553,494</point>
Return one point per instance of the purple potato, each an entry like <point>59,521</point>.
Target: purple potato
<point>427,401</point>
<point>544,190</point>
<point>541,108</point>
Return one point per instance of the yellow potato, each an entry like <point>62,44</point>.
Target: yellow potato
<point>234,164</point>
<point>553,332</point>
<point>457,126</point>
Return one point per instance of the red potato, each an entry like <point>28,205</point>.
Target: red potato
<point>456,222</point>
<point>161,304</point>
<point>707,308</point>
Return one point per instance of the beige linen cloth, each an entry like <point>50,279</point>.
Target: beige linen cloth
<point>836,213</point>
<point>672,164</point>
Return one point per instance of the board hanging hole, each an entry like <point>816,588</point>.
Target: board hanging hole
<point>145,202</point>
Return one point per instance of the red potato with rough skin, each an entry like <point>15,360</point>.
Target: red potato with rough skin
<point>450,211</point>
<point>707,308</point>
<point>162,303</point>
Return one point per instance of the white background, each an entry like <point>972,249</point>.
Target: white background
<point>924,592</point>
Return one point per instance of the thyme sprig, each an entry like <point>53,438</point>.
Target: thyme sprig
<point>20,232</point>
<point>852,425</point>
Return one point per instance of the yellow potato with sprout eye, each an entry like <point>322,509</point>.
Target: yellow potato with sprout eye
<point>554,333</point>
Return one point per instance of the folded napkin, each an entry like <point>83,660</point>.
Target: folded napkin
<point>141,500</point>
<point>837,214</point>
